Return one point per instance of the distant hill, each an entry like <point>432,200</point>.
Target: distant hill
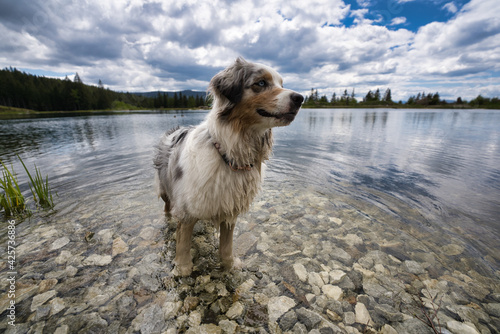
<point>188,93</point>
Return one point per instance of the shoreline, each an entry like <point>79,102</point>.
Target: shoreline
<point>10,112</point>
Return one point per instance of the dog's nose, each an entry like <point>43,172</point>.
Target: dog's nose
<point>297,99</point>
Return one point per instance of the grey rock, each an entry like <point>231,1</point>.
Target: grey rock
<point>288,320</point>
<point>309,318</point>
<point>299,328</point>
<point>493,309</point>
<point>413,267</point>
<point>349,318</point>
<point>153,320</point>
<point>412,326</point>
<point>42,312</point>
<point>342,256</point>
<point>388,313</point>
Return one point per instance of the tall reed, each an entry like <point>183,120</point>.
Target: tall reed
<point>40,189</point>
<point>11,200</point>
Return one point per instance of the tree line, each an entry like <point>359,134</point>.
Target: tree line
<point>22,90</point>
<point>378,98</point>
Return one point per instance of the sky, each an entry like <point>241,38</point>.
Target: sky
<point>447,46</point>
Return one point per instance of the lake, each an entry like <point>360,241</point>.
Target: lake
<point>420,186</point>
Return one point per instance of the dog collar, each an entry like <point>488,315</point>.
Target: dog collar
<point>230,163</point>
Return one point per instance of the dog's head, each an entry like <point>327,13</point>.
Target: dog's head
<point>251,95</point>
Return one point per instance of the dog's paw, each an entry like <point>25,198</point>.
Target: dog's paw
<point>183,270</point>
<point>232,263</point>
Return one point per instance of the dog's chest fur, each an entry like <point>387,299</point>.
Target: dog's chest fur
<point>199,182</point>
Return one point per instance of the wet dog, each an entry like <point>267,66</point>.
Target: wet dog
<point>214,170</point>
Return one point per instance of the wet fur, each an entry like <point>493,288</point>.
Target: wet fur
<point>193,176</point>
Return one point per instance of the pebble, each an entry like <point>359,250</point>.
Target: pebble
<point>59,243</point>
<point>40,299</point>
<point>333,292</point>
<point>97,260</point>
<point>119,247</point>
<point>235,311</point>
<point>278,306</point>
<point>300,271</point>
<point>305,271</point>
<point>362,314</point>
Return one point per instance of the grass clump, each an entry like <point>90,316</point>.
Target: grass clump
<point>40,189</point>
<point>11,198</point>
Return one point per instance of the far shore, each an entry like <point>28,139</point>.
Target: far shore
<point>11,112</point>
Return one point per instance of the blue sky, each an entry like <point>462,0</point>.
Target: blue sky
<point>446,46</point>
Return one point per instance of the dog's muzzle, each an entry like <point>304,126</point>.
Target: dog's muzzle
<point>295,103</point>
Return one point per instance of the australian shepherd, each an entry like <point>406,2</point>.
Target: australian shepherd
<point>213,171</point>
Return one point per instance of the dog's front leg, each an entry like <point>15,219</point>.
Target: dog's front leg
<point>226,246</point>
<point>183,261</point>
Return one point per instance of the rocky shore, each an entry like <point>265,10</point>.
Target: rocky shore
<point>312,264</point>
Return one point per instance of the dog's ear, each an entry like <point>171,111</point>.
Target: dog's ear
<point>228,84</point>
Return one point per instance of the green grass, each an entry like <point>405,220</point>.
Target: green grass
<point>11,199</point>
<point>40,188</point>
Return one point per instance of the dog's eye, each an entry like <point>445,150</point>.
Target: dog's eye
<point>261,83</point>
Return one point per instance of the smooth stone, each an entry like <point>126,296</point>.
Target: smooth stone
<point>349,318</point>
<point>315,279</point>
<point>461,327</point>
<point>336,276</point>
<point>413,267</point>
<point>332,291</point>
<point>153,320</point>
<point>235,311</point>
<point>341,255</point>
<point>170,309</point>
<point>119,247</point>
<point>387,329</point>
<point>63,257</point>
<point>148,233</point>
<point>278,306</point>
<point>46,285</point>
<point>59,243</point>
<point>210,329</point>
<point>228,326</point>
<point>105,235</point>
<point>57,305</point>
<point>300,271</point>
<point>452,249</point>
<point>493,309</point>
<point>194,319</point>
<point>244,243</point>
<point>40,299</point>
<point>362,314</point>
<point>352,240</point>
<point>337,221</point>
<point>97,260</point>
<point>64,329</point>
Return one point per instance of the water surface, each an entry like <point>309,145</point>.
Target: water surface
<point>419,184</point>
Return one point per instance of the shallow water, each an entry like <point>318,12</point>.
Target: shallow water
<point>418,185</point>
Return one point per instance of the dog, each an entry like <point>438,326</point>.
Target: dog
<point>214,170</point>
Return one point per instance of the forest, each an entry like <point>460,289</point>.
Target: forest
<point>21,90</point>
<point>376,98</point>
<point>26,91</point>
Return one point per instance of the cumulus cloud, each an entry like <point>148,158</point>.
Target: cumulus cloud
<point>451,7</point>
<point>152,45</point>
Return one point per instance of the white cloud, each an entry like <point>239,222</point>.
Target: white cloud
<point>398,20</point>
<point>451,7</point>
<point>148,45</point>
